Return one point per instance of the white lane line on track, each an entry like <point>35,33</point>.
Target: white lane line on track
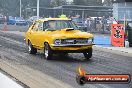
<point>6,82</point>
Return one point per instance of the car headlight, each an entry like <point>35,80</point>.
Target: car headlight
<point>57,42</point>
<point>90,40</point>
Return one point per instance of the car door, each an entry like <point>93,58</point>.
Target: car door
<point>46,32</point>
<point>33,34</point>
<point>40,36</point>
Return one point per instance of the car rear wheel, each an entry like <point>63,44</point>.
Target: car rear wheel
<point>47,52</point>
<point>88,54</point>
<point>130,44</point>
<point>31,49</point>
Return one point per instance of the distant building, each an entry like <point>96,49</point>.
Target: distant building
<point>122,10</point>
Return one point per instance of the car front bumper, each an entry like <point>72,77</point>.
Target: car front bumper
<point>71,48</point>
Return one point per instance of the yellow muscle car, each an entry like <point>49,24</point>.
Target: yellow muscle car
<point>58,35</point>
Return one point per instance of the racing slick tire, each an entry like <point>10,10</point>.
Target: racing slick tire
<point>130,44</point>
<point>48,53</point>
<point>88,54</point>
<point>31,49</point>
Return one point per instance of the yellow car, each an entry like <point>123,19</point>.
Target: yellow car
<point>58,35</point>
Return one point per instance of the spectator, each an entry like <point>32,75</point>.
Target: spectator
<point>104,22</point>
<point>114,21</point>
<point>88,22</point>
<point>110,20</point>
<point>98,24</point>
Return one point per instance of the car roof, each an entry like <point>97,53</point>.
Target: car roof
<point>49,19</point>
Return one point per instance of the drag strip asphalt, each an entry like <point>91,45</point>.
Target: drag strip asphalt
<point>14,50</point>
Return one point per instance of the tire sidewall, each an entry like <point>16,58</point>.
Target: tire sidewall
<point>130,44</point>
<point>30,45</point>
<point>32,50</point>
<point>49,55</point>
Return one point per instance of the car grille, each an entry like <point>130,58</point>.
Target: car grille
<point>74,41</point>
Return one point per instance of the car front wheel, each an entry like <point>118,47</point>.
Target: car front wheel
<point>88,54</point>
<point>47,51</point>
<point>31,49</point>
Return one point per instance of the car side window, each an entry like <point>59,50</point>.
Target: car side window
<point>35,28</point>
<point>40,26</point>
<point>45,25</point>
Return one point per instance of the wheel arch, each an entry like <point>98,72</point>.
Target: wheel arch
<point>46,41</point>
<point>28,40</point>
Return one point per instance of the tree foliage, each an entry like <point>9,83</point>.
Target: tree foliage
<point>108,3</point>
<point>88,2</point>
<point>78,2</point>
<point>55,3</point>
<point>11,7</point>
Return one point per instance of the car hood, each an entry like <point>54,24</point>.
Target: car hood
<point>69,33</point>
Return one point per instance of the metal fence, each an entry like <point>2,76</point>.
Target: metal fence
<point>98,25</point>
<point>122,11</point>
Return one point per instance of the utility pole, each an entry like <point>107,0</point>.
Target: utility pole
<point>37,8</point>
<point>83,13</point>
<point>20,8</point>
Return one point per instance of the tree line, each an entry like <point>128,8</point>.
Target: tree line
<point>11,7</point>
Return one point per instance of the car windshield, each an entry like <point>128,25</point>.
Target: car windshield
<point>60,24</point>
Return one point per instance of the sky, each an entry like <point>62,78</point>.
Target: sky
<point>70,0</point>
